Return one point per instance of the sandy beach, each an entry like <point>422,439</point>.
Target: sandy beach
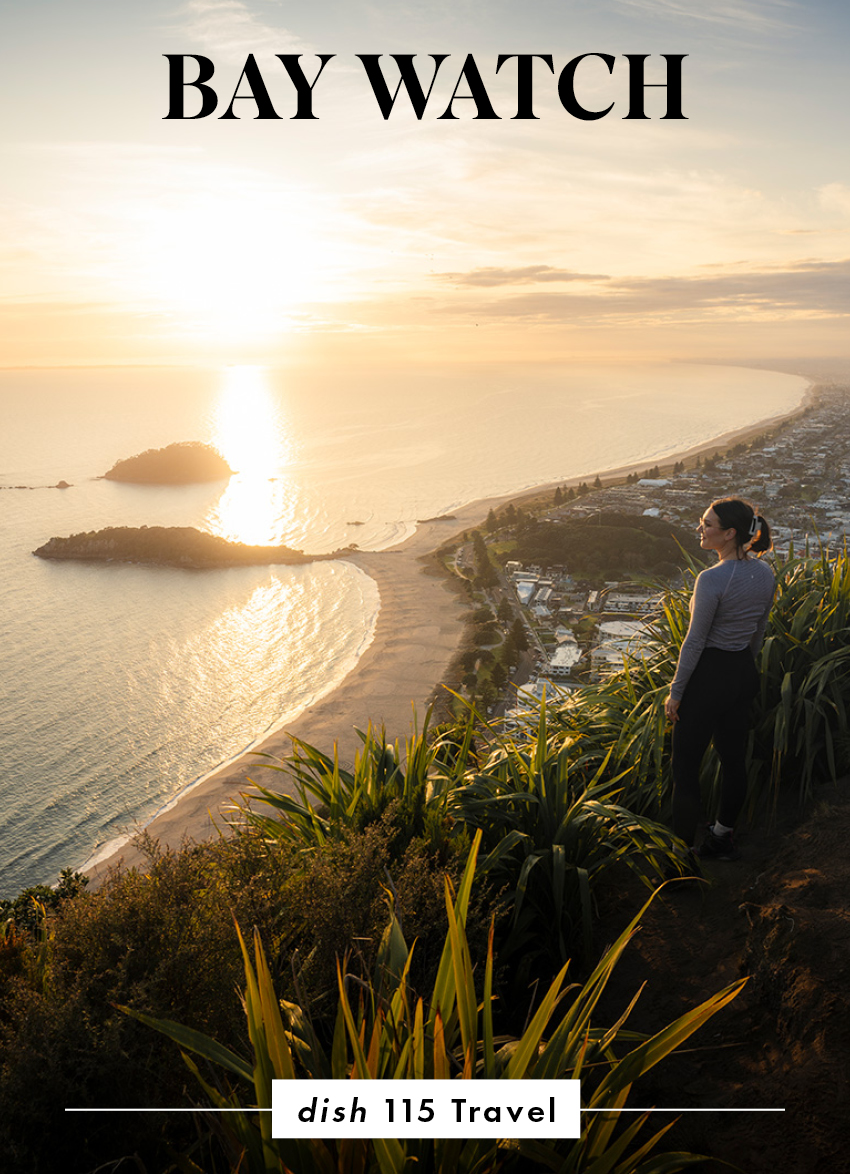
<point>418,629</point>
<point>417,632</point>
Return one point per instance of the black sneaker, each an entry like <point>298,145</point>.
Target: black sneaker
<point>716,847</point>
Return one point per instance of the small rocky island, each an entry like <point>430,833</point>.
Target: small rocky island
<point>58,485</point>
<point>185,463</point>
<point>170,546</point>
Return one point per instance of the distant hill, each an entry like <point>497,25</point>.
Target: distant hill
<point>173,546</point>
<point>608,543</point>
<point>176,464</point>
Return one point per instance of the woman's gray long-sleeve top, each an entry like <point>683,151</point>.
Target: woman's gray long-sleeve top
<point>729,610</point>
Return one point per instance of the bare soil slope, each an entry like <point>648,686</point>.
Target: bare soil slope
<point>779,915</point>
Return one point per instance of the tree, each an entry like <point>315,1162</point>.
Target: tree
<point>518,635</point>
<point>485,574</point>
<point>559,497</point>
<point>488,694</point>
<point>597,484</point>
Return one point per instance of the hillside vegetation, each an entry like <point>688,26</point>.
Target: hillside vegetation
<point>486,881</point>
<point>606,545</point>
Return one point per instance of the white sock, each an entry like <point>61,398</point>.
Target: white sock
<point>720,829</point>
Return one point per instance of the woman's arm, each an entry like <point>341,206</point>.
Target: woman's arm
<point>703,609</point>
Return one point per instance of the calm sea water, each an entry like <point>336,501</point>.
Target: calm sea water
<point>121,685</point>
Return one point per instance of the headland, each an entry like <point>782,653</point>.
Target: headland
<point>170,546</point>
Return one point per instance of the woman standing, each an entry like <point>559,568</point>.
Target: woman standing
<point>716,678</point>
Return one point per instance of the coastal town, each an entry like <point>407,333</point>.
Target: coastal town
<point>553,626</point>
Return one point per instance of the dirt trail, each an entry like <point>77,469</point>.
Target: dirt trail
<point>779,915</point>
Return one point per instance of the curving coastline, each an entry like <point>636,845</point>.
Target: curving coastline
<point>418,628</point>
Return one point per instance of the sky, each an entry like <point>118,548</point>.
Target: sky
<point>132,238</point>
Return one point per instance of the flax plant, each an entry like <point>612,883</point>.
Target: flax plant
<point>553,829</point>
<point>802,723</point>
<point>620,720</point>
<point>388,1033</point>
<point>330,799</point>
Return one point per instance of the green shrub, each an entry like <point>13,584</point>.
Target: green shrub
<point>330,801</point>
<point>553,830</point>
<point>385,1032</point>
<point>163,940</point>
<point>25,911</point>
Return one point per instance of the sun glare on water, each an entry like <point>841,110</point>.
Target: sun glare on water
<point>251,435</point>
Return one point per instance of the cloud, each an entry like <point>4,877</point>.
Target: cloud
<point>229,30</point>
<point>755,16</point>
<point>810,289</point>
<point>528,274</point>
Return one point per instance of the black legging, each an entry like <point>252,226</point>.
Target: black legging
<point>716,705</point>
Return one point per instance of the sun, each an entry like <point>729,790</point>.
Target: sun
<point>235,264</point>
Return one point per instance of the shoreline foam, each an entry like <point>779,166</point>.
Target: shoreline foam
<point>417,632</point>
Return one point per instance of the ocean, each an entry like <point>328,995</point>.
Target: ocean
<point>121,685</point>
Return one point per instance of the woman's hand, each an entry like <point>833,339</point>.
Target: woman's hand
<point>671,708</point>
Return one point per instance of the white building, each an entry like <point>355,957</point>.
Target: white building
<point>524,591</point>
<point>564,658</point>
<point>618,640</point>
<point>630,601</point>
<point>524,712</point>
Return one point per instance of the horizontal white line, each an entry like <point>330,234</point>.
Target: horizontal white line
<point>654,1109</point>
<point>663,1109</point>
